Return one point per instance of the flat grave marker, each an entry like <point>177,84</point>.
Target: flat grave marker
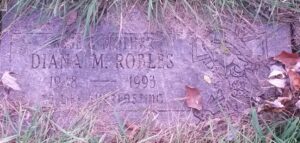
<point>147,69</point>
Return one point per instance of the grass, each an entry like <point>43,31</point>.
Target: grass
<point>211,13</point>
<point>26,124</point>
<point>282,131</point>
<point>91,12</point>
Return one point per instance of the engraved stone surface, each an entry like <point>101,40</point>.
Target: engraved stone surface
<point>145,67</point>
<point>296,36</point>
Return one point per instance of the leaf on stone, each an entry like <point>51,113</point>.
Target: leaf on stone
<point>275,104</point>
<point>277,77</point>
<point>280,83</point>
<point>288,59</point>
<point>207,79</point>
<point>277,71</point>
<point>71,17</point>
<point>294,80</point>
<point>298,104</point>
<point>279,104</point>
<point>296,67</point>
<point>193,98</point>
<point>9,81</point>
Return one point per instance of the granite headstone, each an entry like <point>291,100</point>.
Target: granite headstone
<point>144,67</point>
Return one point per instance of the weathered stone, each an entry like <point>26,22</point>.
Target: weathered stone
<point>296,36</point>
<point>145,67</point>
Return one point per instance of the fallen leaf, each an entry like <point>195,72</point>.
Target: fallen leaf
<point>275,104</point>
<point>268,108</point>
<point>298,104</point>
<point>277,77</point>
<point>207,79</point>
<point>297,67</point>
<point>280,83</point>
<point>287,95</point>
<point>132,130</point>
<point>9,81</point>
<point>277,71</point>
<point>71,17</point>
<point>278,104</point>
<point>193,98</point>
<point>294,79</point>
<point>288,59</point>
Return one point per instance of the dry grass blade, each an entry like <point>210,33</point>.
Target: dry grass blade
<point>68,133</point>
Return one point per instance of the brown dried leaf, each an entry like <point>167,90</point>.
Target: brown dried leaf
<point>193,98</point>
<point>279,104</point>
<point>296,67</point>
<point>294,80</point>
<point>288,59</point>
<point>268,108</point>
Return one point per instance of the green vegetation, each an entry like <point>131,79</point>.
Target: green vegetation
<point>90,12</point>
<point>20,123</point>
